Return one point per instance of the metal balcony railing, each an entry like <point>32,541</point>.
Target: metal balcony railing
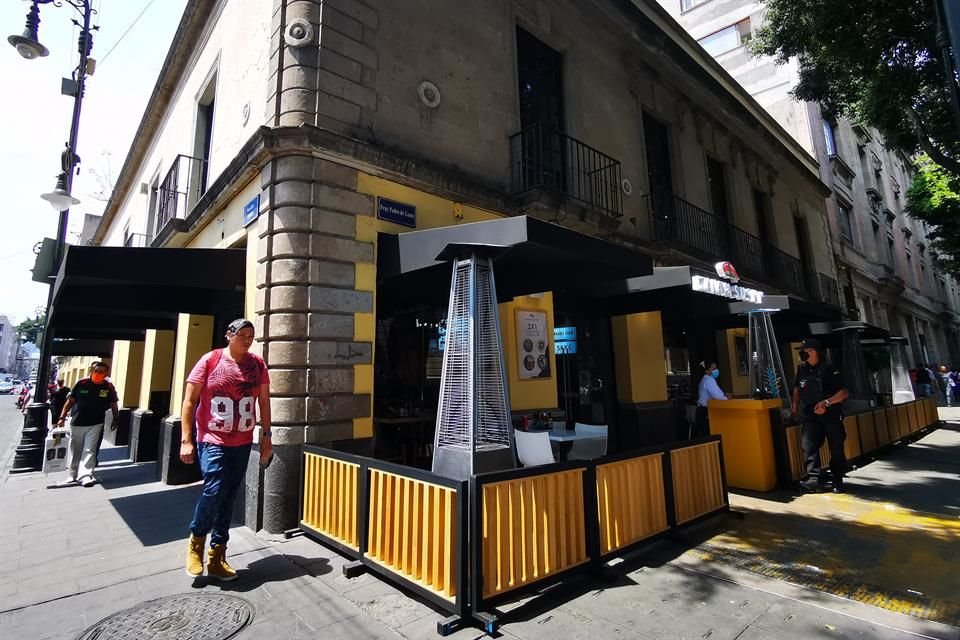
<point>675,220</point>
<point>547,159</point>
<point>830,292</point>
<point>181,188</point>
<point>136,240</point>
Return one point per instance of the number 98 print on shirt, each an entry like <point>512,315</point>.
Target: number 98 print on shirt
<point>227,409</point>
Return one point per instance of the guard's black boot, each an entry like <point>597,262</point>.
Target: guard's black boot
<point>812,485</point>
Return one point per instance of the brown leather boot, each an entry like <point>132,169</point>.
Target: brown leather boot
<point>217,566</point>
<point>195,547</point>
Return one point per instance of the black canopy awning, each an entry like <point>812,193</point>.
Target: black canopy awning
<point>110,293</point>
<point>530,256</point>
<point>83,347</point>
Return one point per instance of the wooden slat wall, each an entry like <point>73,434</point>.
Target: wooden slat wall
<point>867,429</point>
<point>630,501</point>
<point>798,467</point>
<point>533,527</point>
<point>932,415</point>
<point>851,446</point>
<point>893,420</point>
<point>915,421</point>
<point>330,497</point>
<point>903,421</point>
<point>697,480</point>
<point>413,530</point>
<point>882,421</point>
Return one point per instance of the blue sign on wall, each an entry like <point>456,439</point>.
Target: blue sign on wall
<point>397,212</point>
<point>251,210</point>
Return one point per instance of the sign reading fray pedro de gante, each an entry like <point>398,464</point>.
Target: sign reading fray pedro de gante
<point>397,212</point>
<point>251,210</point>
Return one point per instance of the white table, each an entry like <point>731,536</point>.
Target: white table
<point>565,437</point>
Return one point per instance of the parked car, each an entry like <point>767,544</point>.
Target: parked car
<point>6,388</point>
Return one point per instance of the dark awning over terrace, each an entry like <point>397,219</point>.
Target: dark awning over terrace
<point>530,256</point>
<point>116,293</point>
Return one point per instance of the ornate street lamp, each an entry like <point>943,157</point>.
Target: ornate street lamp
<point>29,455</point>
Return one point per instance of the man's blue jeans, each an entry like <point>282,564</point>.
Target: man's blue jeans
<point>223,469</point>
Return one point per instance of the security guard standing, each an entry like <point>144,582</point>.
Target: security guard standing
<point>818,392</point>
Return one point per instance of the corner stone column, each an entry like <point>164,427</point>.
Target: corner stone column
<point>308,307</point>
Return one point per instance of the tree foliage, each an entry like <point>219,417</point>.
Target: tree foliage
<point>30,327</point>
<point>873,61</point>
<point>934,197</point>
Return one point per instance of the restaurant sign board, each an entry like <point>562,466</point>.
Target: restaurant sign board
<point>717,287</point>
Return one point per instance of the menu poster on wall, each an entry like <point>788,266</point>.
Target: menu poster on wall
<point>533,347</point>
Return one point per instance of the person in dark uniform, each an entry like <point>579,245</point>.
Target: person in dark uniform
<point>58,398</point>
<point>818,393</point>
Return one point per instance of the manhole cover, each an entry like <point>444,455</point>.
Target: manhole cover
<point>190,616</point>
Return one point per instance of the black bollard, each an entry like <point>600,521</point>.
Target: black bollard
<point>29,453</point>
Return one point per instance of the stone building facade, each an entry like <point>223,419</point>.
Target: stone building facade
<point>887,276</point>
<point>280,142</point>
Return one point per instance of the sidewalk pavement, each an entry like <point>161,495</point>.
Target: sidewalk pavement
<point>75,555</point>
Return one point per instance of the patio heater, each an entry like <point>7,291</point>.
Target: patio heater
<point>473,432</point>
<point>899,373</point>
<point>767,380</point>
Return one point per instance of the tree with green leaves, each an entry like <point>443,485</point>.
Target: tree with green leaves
<point>30,327</point>
<point>876,62</point>
<point>934,197</point>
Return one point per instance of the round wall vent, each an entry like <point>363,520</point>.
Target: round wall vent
<point>627,187</point>
<point>299,33</point>
<point>429,94</point>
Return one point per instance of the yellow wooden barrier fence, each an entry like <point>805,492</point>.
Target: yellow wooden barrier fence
<point>631,504</point>
<point>697,480</point>
<point>412,530</point>
<point>532,527</point>
<point>330,497</point>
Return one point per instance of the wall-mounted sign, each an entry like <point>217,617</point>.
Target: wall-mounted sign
<point>726,290</point>
<point>533,347</point>
<point>727,270</point>
<point>397,212</point>
<point>565,340</point>
<point>251,210</point>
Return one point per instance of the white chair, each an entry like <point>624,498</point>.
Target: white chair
<point>588,449</point>
<point>533,448</point>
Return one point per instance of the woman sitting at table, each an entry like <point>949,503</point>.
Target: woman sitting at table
<point>708,390</point>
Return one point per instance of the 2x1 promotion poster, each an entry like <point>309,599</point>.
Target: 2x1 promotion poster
<point>533,345</point>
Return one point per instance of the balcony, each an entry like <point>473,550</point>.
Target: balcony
<point>181,189</point>
<point>703,234</point>
<point>547,160</point>
<point>137,240</point>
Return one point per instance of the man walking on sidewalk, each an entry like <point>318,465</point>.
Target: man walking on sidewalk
<point>221,398</point>
<point>92,397</point>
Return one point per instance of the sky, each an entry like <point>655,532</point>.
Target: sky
<point>35,122</point>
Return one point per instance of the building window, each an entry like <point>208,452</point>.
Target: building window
<point>203,139</point>
<point>844,223</point>
<point>686,5</point>
<point>727,39</point>
<point>829,138</point>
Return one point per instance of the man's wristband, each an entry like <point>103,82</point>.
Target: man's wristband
<point>266,433</point>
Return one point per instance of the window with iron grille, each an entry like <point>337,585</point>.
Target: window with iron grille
<point>844,223</point>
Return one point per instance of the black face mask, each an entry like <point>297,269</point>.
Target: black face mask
<point>804,356</point>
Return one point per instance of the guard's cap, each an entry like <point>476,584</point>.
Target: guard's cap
<point>810,343</point>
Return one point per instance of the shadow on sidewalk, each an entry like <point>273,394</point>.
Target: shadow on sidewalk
<point>273,568</point>
<point>158,517</point>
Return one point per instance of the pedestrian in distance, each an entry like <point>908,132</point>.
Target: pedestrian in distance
<point>924,381</point>
<point>218,419</point>
<point>91,396</point>
<point>818,393</point>
<point>707,390</point>
<point>58,398</point>
<point>946,386</point>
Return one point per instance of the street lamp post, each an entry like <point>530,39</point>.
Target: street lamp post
<point>28,46</point>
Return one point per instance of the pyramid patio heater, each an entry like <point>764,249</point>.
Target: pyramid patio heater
<point>473,432</point>
<point>767,381</point>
